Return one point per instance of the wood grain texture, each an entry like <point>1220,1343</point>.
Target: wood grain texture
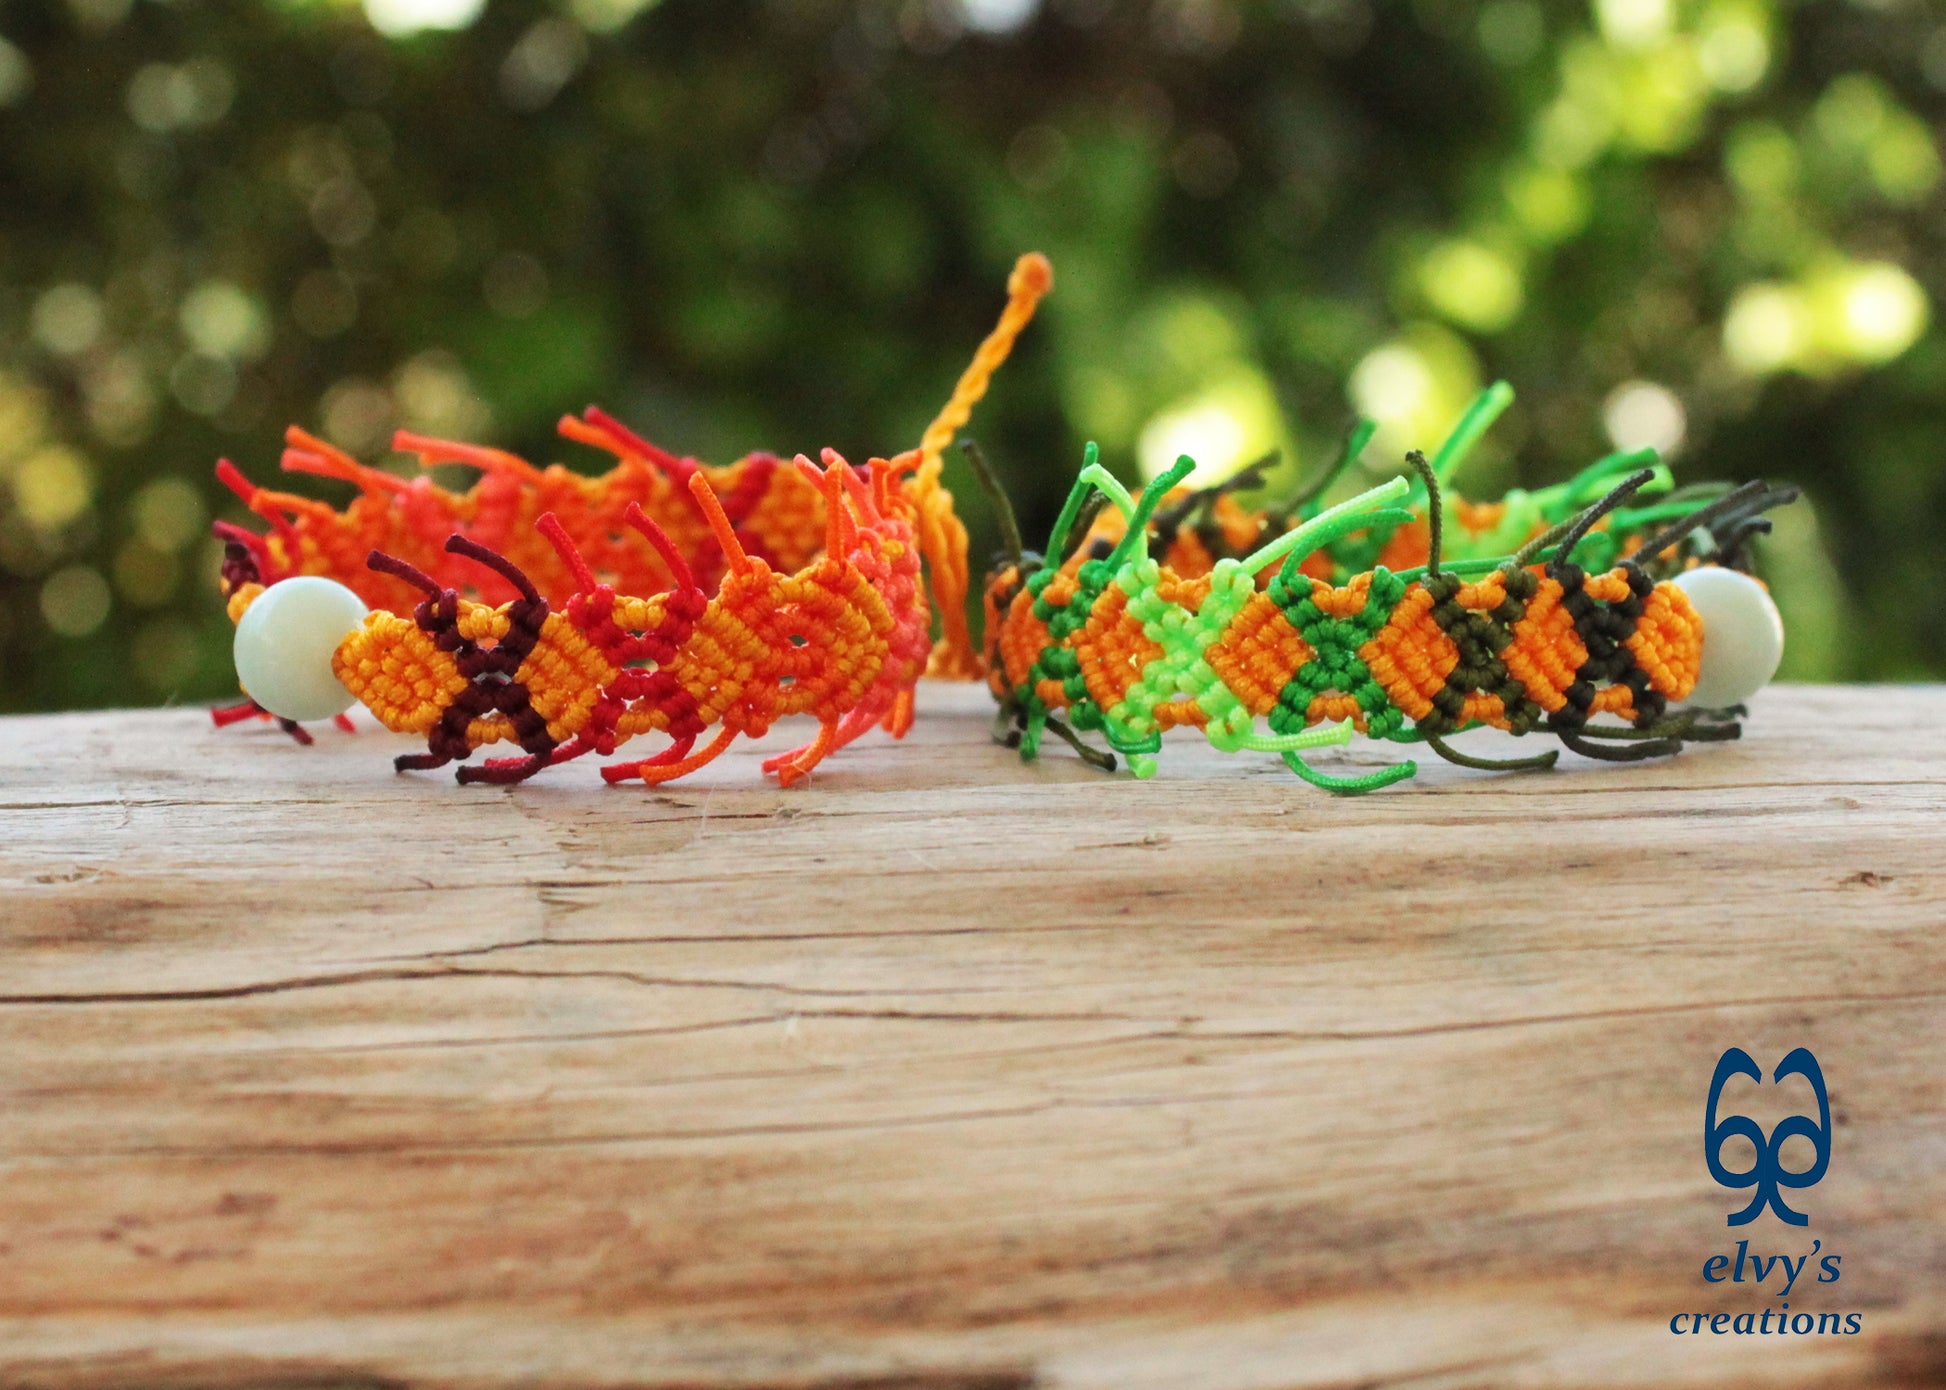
<point>947,1072</point>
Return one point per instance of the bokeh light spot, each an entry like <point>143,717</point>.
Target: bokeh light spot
<point>357,415</point>
<point>1192,331</point>
<point>169,513</point>
<point>343,211</point>
<point>544,61</point>
<point>203,385</point>
<point>435,397</point>
<point>1414,387</point>
<point>1645,415</point>
<point>53,486</point>
<point>1569,132</point>
<point>997,16</point>
<point>23,420</point>
<point>1767,327</point>
<point>75,600</point>
<point>1903,160</point>
<point>121,400</point>
<point>1851,110</point>
<point>1472,284</point>
<point>1549,204</point>
<point>1634,23</point>
<point>1392,383</point>
<point>1885,311</point>
<point>1103,402</point>
<point>1232,422</point>
<point>1761,159</point>
<point>1734,51</point>
<point>399,18</point>
<point>16,75</point>
<point>1661,99</point>
<point>67,318</point>
<point>162,98</point>
<point>220,319</point>
<point>1203,430</point>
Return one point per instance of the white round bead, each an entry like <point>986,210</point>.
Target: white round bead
<point>1743,635</point>
<point>284,644</point>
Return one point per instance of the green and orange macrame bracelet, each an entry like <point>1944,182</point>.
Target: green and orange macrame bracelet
<point>1181,609</point>
<point>567,614</point>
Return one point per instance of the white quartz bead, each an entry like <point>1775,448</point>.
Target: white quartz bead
<point>284,644</point>
<point>1743,635</point>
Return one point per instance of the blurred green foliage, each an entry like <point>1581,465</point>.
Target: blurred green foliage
<point>1714,225</point>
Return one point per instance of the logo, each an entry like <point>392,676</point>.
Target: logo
<point>1779,1273</point>
<point>1767,1172</point>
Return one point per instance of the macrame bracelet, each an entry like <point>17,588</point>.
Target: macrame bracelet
<point>1181,609</point>
<point>1191,530</point>
<point>567,614</point>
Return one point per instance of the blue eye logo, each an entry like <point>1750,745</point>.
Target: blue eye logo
<point>1767,1172</point>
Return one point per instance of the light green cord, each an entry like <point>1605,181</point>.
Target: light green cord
<point>1327,526</point>
<point>1478,419</point>
<point>1071,509</point>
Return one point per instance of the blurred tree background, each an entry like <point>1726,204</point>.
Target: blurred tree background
<point>1711,225</point>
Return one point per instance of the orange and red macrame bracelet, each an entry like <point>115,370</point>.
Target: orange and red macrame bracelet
<point>567,614</point>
